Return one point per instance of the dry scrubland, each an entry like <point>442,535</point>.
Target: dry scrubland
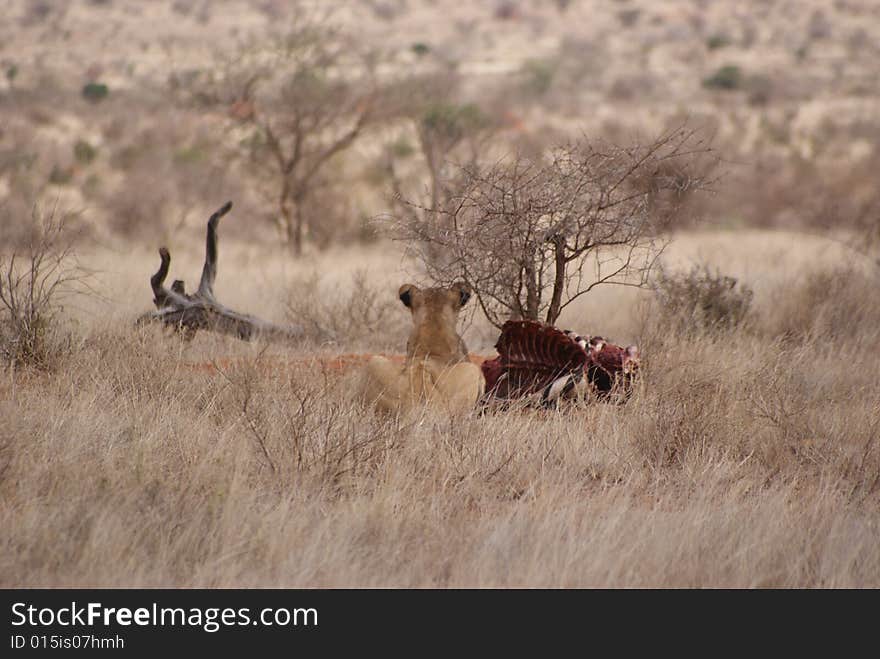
<point>748,455</point>
<point>745,458</point>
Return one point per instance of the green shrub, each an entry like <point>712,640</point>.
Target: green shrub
<point>729,77</point>
<point>94,92</point>
<point>84,152</point>
<point>421,49</point>
<point>717,41</point>
<point>452,122</point>
<point>60,175</point>
<point>193,153</point>
<point>401,148</point>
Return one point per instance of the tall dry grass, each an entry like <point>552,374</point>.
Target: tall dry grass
<point>747,457</point>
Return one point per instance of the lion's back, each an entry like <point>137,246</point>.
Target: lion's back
<point>395,388</point>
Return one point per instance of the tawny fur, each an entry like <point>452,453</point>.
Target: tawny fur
<point>436,372</point>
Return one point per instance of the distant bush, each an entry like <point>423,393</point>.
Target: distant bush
<point>192,153</point>
<point>819,27</point>
<point>629,17</point>
<point>182,7</point>
<point>60,175</point>
<point>401,148</point>
<point>562,5</point>
<point>449,121</point>
<point>827,305</point>
<point>537,76</point>
<point>506,11</point>
<point>728,77</point>
<point>702,300</point>
<point>420,49</point>
<point>760,89</point>
<point>84,152</point>
<point>361,315</point>
<point>386,11</point>
<point>717,41</point>
<point>95,92</point>
<point>39,11</point>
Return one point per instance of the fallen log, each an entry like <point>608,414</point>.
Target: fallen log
<point>187,314</point>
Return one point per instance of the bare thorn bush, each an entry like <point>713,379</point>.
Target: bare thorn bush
<point>363,314</point>
<point>531,236</point>
<point>701,300</point>
<point>34,282</point>
<point>299,431</point>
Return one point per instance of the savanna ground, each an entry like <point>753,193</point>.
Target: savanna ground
<point>745,458</point>
<point>748,455</point>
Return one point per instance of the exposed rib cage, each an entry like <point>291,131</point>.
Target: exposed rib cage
<point>534,358</point>
<point>531,357</point>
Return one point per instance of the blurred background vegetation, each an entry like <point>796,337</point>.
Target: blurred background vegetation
<point>314,118</point>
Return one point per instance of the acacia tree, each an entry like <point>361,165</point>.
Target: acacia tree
<point>307,98</point>
<point>532,236</point>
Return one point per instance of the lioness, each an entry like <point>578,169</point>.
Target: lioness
<point>437,370</point>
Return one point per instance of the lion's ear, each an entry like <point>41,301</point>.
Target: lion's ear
<point>464,293</point>
<point>406,293</point>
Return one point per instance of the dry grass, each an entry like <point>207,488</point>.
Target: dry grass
<point>748,458</point>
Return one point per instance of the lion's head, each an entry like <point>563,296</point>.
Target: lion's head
<point>435,318</point>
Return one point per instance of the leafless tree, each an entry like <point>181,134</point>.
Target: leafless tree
<point>306,98</point>
<point>530,236</point>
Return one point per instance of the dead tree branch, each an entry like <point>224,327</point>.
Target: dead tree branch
<point>201,311</point>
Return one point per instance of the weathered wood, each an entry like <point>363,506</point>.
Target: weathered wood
<point>201,311</point>
<point>209,271</point>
